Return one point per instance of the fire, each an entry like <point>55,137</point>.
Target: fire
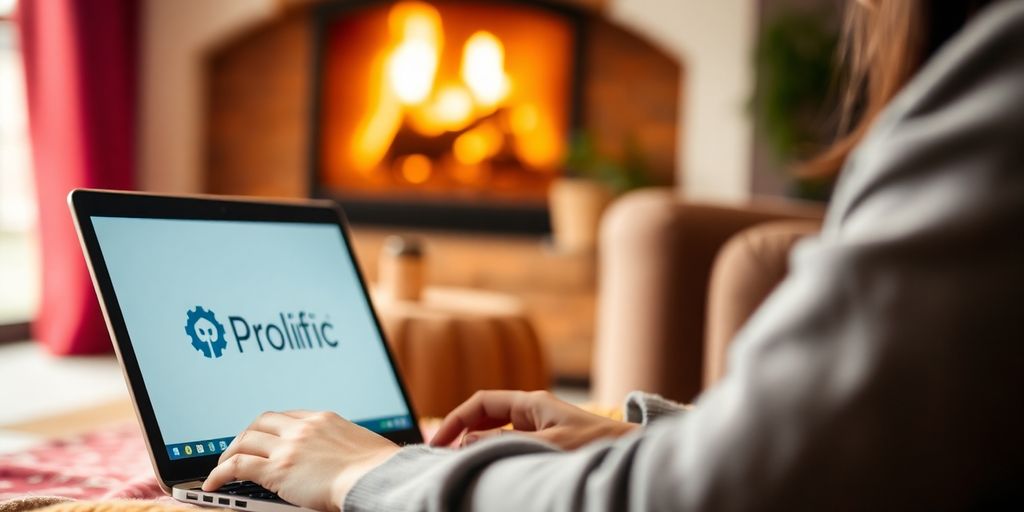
<point>483,69</point>
<point>412,65</point>
<point>416,169</point>
<point>473,106</point>
<point>478,144</point>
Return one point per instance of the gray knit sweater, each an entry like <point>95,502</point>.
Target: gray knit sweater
<point>887,371</point>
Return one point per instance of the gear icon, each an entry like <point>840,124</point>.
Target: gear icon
<point>206,332</point>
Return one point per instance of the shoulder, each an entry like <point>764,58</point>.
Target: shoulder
<point>948,142</point>
<point>990,47</point>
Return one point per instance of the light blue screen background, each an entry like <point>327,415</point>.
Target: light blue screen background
<point>163,268</point>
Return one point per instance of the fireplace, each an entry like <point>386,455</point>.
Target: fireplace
<point>447,114</point>
<point>308,103</point>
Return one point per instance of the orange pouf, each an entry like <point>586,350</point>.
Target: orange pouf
<point>453,342</point>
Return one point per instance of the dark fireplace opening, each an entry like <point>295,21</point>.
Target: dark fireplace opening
<point>444,114</point>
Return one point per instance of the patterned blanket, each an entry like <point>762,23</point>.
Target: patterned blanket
<point>111,463</point>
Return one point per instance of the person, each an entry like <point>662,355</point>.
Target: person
<point>886,371</point>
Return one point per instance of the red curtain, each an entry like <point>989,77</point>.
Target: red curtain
<point>80,69</point>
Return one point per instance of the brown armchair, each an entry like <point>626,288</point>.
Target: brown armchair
<point>677,280</point>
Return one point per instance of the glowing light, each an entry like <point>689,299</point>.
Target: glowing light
<point>416,169</point>
<point>540,148</point>
<point>404,75</point>
<point>411,89</point>
<point>470,148</point>
<point>374,134</point>
<point>524,120</point>
<point>469,174</point>
<point>483,68</point>
<point>412,66</point>
<point>414,20</point>
<point>453,108</point>
<point>411,71</point>
<point>478,144</point>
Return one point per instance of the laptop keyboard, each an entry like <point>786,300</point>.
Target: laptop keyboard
<point>249,490</point>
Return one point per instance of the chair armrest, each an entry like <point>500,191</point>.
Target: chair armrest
<point>655,258</point>
<point>748,267</point>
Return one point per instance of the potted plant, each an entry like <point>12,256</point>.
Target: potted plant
<point>592,179</point>
<point>795,63</point>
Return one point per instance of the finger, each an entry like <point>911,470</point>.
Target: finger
<point>476,437</point>
<point>251,442</point>
<point>299,414</point>
<point>483,408</point>
<point>272,423</point>
<point>486,410</point>
<point>238,467</point>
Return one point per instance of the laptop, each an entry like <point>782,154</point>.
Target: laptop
<point>221,309</point>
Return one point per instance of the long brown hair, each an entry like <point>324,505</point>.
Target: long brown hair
<point>884,44</point>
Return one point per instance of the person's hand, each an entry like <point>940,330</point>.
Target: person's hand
<point>537,413</point>
<point>311,459</point>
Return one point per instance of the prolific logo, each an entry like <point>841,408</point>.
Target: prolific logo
<point>295,331</point>
<point>206,332</point>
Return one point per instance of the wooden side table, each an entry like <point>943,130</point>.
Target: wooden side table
<point>455,341</point>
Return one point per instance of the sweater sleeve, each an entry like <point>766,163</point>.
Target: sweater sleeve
<point>884,373</point>
<point>644,408</point>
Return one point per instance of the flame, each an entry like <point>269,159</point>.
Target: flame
<point>407,90</point>
<point>483,69</point>
<point>416,169</point>
<point>413,63</point>
<point>411,71</point>
<point>536,138</point>
<point>373,135</point>
<point>410,68</point>
<point>452,109</point>
<point>524,119</point>
<point>478,144</point>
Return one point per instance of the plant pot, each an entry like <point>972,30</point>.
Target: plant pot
<point>576,205</point>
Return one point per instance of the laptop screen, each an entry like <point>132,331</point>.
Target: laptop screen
<point>229,319</point>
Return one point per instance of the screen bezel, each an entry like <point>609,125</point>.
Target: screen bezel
<point>86,204</point>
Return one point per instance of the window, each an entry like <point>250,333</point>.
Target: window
<point>19,258</point>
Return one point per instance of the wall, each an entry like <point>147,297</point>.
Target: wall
<point>714,40</point>
<point>175,35</point>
